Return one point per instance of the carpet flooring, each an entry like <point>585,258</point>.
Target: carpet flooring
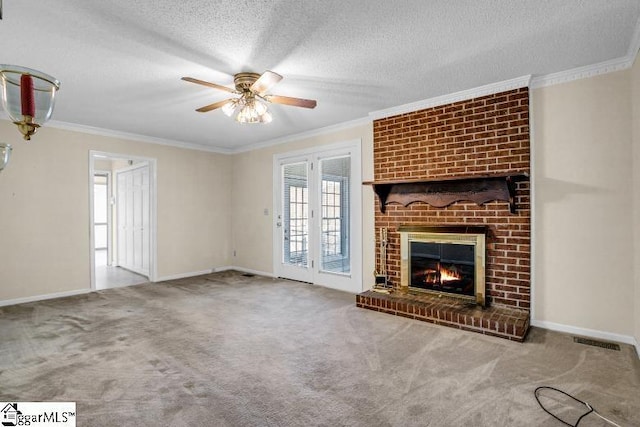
<point>230,350</point>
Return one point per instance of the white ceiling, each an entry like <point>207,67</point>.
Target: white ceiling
<point>120,61</point>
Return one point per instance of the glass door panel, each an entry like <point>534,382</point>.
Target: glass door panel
<point>296,215</point>
<point>334,220</point>
<point>294,220</point>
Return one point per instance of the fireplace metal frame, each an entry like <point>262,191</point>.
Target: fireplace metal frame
<point>477,239</point>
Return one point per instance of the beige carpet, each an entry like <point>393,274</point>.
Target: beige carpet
<point>229,350</point>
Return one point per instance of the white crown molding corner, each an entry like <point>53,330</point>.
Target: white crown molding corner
<point>304,135</point>
<point>134,137</point>
<point>463,95</point>
<point>587,71</point>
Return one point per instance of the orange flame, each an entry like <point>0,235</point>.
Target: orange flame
<point>447,275</point>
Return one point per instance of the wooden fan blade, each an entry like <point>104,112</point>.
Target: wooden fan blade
<point>296,102</point>
<point>213,106</point>
<point>213,85</point>
<point>266,81</point>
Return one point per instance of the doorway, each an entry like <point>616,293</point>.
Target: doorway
<point>122,213</point>
<point>317,206</point>
<point>102,217</point>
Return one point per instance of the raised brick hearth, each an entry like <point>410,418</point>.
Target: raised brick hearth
<point>497,321</point>
<point>478,137</point>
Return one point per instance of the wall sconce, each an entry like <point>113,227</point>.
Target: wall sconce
<point>5,154</point>
<point>27,97</point>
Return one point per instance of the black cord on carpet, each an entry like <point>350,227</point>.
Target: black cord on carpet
<point>591,409</point>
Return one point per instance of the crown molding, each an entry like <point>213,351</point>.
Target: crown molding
<point>463,95</point>
<point>134,137</point>
<point>587,71</point>
<point>304,135</point>
<point>610,66</point>
<point>190,146</point>
<point>74,127</point>
<point>533,82</point>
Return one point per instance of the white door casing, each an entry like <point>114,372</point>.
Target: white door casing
<point>152,209</point>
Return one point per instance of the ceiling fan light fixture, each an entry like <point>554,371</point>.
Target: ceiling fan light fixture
<point>230,107</point>
<point>253,111</point>
<point>252,105</point>
<point>246,115</point>
<point>260,107</point>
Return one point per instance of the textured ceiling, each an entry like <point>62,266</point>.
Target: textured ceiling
<point>120,61</point>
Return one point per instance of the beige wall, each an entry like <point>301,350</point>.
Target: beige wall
<point>583,205</point>
<point>253,192</point>
<point>44,210</point>
<point>635,93</point>
<point>103,165</point>
<point>587,205</point>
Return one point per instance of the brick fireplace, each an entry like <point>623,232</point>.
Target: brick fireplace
<point>485,137</point>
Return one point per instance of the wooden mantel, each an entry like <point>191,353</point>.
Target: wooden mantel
<point>444,191</point>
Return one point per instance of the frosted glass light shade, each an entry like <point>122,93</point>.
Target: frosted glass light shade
<point>229,108</point>
<point>44,91</point>
<point>253,111</point>
<point>260,107</point>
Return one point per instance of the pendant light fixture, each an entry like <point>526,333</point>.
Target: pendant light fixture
<point>5,154</point>
<point>28,97</point>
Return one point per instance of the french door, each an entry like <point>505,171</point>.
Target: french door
<point>317,217</point>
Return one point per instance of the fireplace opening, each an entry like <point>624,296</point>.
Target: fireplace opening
<point>443,267</point>
<point>443,261</point>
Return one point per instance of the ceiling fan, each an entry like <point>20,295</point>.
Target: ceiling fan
<point>251,105</point>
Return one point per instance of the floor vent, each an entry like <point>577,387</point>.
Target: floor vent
<point>595,343</point>
<point>248,275</point>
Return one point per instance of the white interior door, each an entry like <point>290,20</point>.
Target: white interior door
<point>132,204</point>
<point>317,227</point>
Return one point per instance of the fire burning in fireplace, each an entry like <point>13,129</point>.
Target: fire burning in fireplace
<point>444,263</point>
<point>440,274</point>
<point>450,278</point>
<point>447,275</point>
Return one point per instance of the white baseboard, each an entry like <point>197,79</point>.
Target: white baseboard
<point>591,333</point>
<point>44,297</point>
<point>183,275</point>
<point>244,270</point>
